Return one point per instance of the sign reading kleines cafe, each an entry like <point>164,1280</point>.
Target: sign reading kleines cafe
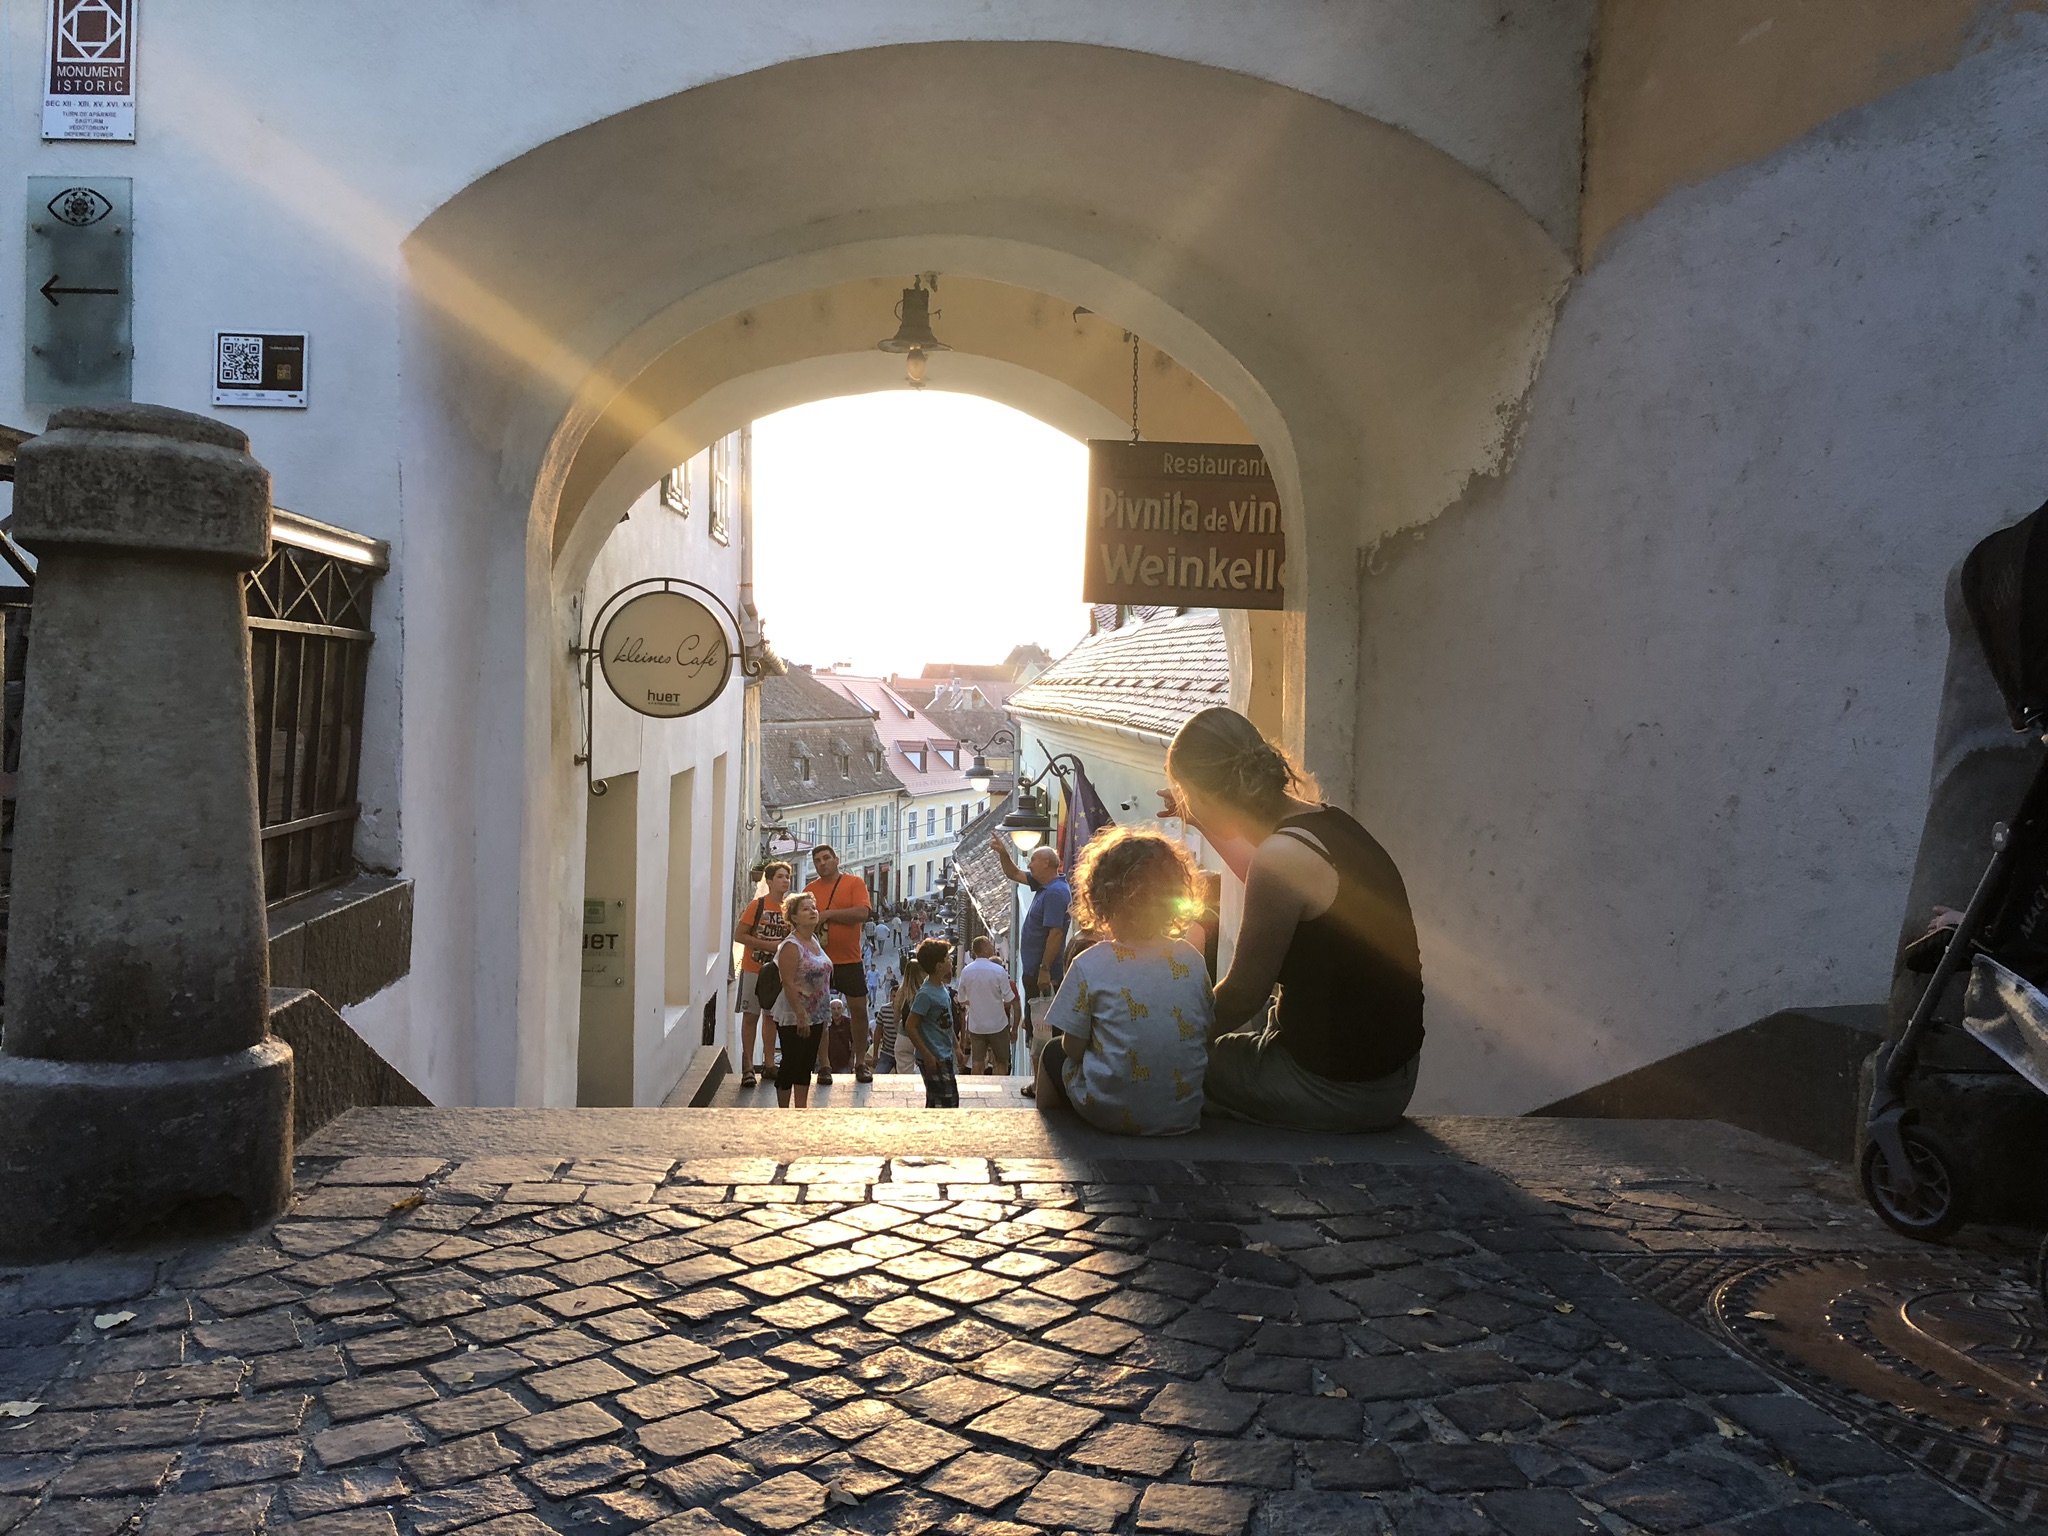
<point>1195,525</point>
<point>664,654</point>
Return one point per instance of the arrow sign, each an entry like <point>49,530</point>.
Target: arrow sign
<point>50,290</point>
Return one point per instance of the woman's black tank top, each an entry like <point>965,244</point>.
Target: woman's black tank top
<point>1351,985</point>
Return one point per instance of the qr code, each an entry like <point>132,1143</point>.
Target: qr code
<point>241,360</point>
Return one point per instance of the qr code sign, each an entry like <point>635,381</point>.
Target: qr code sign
<point>241,360</point>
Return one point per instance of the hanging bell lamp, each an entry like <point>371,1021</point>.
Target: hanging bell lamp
<point>914,338</point>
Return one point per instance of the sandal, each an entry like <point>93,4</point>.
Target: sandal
<point>747,1078</point>
<point>863,1074</point>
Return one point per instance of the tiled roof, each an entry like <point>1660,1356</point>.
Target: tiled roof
<point>1148,677</point>
<point>904,729</point>
<point>797,695</point>
<point>981,872</point>
<point>824,744</point>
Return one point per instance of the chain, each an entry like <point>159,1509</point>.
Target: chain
<point>1134,387</point>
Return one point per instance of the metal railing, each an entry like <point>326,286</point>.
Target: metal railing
<point>309,658</point>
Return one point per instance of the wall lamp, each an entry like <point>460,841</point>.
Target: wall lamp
<point>979,774</point>
<point>1030,824</point>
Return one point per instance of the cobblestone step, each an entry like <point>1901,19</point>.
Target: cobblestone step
<point>522,1322</point>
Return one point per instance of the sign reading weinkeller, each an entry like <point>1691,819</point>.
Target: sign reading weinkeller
<point>664,654</point>
<point>1195,525</point>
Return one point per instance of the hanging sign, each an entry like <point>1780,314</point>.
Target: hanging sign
<point>89,70</point>
<point>1193,525</point>
<point>664,654</point>
<point>259,368</point>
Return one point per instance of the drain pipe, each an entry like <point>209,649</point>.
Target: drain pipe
<point>750,618</point>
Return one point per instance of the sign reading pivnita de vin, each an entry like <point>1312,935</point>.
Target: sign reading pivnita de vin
<point>664,654</point>
<point>1193,525</point>
<point>89,70</point>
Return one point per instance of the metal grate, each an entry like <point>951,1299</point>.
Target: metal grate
<point>309,652</point>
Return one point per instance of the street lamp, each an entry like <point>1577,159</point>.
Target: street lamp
<point>979,774</point>
<point>1028,825</point>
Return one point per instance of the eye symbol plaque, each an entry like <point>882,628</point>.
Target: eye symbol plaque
<point>664,654</point>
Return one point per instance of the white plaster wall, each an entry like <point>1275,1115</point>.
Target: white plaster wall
<point>1648,724</point>
<point>654,541</point>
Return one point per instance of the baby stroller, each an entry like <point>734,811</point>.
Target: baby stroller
<point>1915,1170</point>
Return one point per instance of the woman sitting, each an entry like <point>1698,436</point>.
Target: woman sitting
<point>803,1011</point>
<point>1326,917</point>
<point>1132,1017</point>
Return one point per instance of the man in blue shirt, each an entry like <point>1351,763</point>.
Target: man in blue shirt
<point>1043,945</point>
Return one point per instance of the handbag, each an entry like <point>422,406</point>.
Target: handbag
<point>768,984</point>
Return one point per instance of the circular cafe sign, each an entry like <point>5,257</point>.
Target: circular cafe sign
<point>665,654</point>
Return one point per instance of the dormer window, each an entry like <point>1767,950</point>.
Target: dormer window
<point>875,759</point>
<point>916,757</point>
<point>803,769</point>
<point>949,755</point>
<point>845,766</point>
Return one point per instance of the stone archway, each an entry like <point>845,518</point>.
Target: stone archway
<point>1369,309</point>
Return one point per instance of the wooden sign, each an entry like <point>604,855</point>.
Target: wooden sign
<point>1193,525</point>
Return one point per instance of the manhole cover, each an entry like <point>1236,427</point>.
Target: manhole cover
<point>1948,1366</point>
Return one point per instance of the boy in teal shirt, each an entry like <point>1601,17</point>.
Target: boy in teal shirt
<point>931,1021</point>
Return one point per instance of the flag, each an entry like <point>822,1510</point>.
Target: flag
<point>1082,815</point>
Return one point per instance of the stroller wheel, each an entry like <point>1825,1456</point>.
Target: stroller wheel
<point>1928,1213</point>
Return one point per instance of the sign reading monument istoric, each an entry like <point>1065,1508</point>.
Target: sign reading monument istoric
<point>89,70</point>
<point>1193,525</point>
<point>664,654</point>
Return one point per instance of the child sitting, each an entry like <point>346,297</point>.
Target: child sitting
<point>1132,1017</point>
<point>931,1026</point>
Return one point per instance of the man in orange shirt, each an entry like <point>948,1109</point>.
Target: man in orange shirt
<point>843,906</point>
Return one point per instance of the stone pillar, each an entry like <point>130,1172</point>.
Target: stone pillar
<point>139,1083</point>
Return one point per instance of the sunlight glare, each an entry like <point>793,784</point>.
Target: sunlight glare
<point>906,527</point>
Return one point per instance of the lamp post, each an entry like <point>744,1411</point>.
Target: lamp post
<point>979,775</point>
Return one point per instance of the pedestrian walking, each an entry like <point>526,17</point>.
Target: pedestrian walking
<point>1042,946</point>
<point>931,1026</point>
<point>844,905</point>
<point>991,1018</point>
<point>887,1015</point>
<point>761,928</point>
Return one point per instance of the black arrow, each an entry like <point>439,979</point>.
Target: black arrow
<point>50,290</point>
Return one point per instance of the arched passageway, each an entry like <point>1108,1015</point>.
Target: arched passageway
<point>1359,303</point>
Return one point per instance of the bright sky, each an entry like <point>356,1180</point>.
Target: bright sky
<point>904,527</point>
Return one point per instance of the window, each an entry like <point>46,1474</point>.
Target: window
<point>867,822</point>
<point>888,818</point>
<point>981,808</point>
<point>949,821</point>
<point>927,877</point>
<point>845,766</point>
<point>964,818</point>
<point>811,830</point>
<point>910,880</point>
<point>832,829</point>
<point>931,822</point>
<point>950,756</point>
<point>803,768</point>
<point>675,490</point>
<point>725,468</point>
<point>875,758</point>
<point>916,756</point>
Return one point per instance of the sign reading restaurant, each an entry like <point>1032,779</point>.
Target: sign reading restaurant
<point>89,70</point>
<point>1194,525</point>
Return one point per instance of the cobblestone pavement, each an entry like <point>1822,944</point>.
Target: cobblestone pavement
<point>978,1347</point>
